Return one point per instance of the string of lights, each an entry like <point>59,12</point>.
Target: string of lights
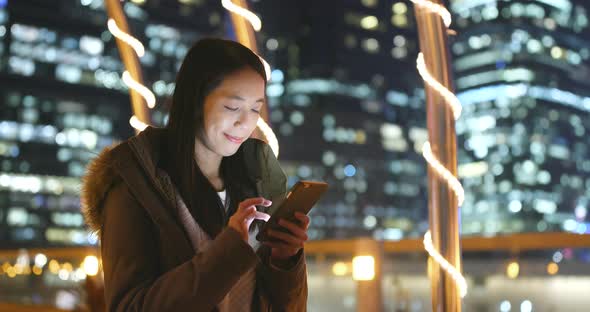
<point>141,89</point>
<point>125,37</point>
<point>243,12</point>
<point>127,78</point>
<point>256,23</point>
<point>453,102</point>
<point>435,8</point>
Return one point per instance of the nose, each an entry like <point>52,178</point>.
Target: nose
<point>243,120</point>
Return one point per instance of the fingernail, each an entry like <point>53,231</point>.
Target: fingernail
<point>267,202</point>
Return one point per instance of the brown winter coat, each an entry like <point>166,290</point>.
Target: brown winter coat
<point>148,261</point>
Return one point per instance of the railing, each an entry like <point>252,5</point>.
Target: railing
<point>346,249</point>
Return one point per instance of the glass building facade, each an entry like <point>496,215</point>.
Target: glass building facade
<point>521,73</point>
<point>63,100</point>
<point>345,101</point>
<point>347,105</point>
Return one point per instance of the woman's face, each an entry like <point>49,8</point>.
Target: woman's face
<point>231,111</point>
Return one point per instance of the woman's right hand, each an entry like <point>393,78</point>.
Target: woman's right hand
<point>246,213</point>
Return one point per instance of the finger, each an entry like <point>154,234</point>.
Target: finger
<point>257,201</point>
<point>255,215</point>
<point>275,244</point>
<point>294,228</point>
<point>289,239</point>
<point>303,218</point>
<point>245,212</point>
<point>261,216</point>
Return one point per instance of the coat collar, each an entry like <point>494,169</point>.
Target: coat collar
<point>135,163</point>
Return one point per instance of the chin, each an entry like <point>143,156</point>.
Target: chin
<point>230,150</point>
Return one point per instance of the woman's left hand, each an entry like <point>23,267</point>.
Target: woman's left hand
<point>287,244</point>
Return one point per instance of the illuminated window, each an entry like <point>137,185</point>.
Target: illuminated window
<point>369,22</point>
<point>91,45</point>
<point>272,44</point>
<point>399,40</point>
<point>371,45</point>
<point>22,66</point>
<point>399,8</point>
<point>350,41</point>
<point>399,20</point>
<point>369,3</point>
<point>399,52</point>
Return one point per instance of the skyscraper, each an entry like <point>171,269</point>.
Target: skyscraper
<point>347,105</point>
<point>522,72</point>
<point>63,100</point>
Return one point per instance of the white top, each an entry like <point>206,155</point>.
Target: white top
<point>252,241</point>
<point>223,196</point>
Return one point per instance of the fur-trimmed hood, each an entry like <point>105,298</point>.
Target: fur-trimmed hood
<point>99,178</point>
<point>137,158</point>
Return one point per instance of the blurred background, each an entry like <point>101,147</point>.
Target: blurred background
<point>344,85</point>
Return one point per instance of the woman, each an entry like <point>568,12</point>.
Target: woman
<point>174,206</point>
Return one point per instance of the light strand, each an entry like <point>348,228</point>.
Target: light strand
<point>269,135</point>
<point>455,274</point>
<point>137,124</point>
<point>444,173</point>
<point>125,37</point>
<point>245,13</point>
<point>454,183</point>
<point>127,78</point>
<point>265,129</point>
<point>149,97</point>
<point>436,8</point>
<point>267,70</point>
<point>449,96</point>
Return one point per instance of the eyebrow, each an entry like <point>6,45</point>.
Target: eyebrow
<point>239,98</point>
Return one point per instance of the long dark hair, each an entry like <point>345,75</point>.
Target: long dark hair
<point>205,66</point>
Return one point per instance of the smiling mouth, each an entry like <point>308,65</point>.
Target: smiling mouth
<point>233,139</point>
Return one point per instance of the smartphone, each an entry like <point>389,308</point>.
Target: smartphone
<point>301,198</point>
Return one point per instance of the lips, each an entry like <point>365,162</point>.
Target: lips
<point>233,139</point>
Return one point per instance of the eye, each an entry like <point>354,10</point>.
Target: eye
<point>233,109</point>
<point>256,111</point>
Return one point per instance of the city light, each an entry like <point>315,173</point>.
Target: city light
<point>512,270</point>
<point>363,268</point>
<point>526,306</point>
<point>552,268</point>
<point>90,265</point>
<point>505,306</point>
<point>369,22</point>
<point>40,260</point>
<point>54,266</point>
<point>340,269</point>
